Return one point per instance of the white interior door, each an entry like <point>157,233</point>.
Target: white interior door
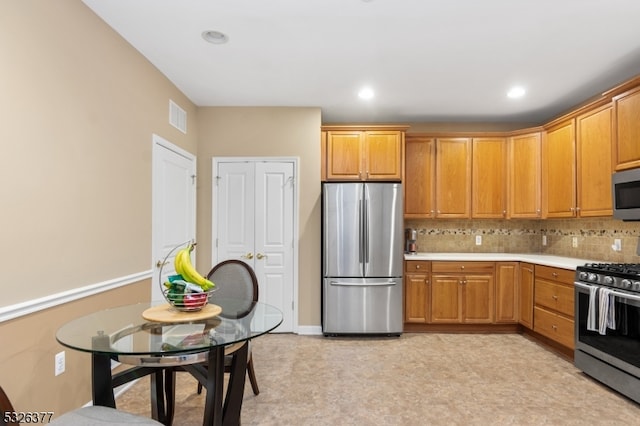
<point>254,220</point>
<point>234,211</point>
<point>174,205</point>
<point>273,258</point>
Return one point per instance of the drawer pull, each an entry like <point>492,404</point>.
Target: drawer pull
<point>417,266</point>
<point>554,297</point>
<point>555,274</point>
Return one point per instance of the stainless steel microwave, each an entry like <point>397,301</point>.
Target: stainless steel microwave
<point>626,194</point>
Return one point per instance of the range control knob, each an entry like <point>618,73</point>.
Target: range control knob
<point>626,284</point>
<point>592,277</point>
<point>635,286</point>
<point>583,276</point>
<point>608,280</point>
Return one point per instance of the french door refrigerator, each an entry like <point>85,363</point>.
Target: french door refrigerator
<point>362,258</point>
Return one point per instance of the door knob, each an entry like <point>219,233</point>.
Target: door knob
<point>160,263</point>
<point>260,256</point>
<point>248,255</point>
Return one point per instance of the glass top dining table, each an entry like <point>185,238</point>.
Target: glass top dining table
<point>186,341</point>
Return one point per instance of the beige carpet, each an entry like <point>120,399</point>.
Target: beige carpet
<point>417,379</point>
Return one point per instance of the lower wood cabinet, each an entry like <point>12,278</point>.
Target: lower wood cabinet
<point>417,291</point>
<point>500,295</point>
<point>462,292</point>
<point>553,314</point>
<point>506,292</point>
<point>526,278</point>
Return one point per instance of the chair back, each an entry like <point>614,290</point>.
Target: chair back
<point>5,407</point>
<point>234,279</point>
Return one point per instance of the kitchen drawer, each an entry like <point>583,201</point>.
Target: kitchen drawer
<point>559,297</point>
<point>554,326</point>
<point>421,266</point>
<point>463,267</point>
<point>566,276</point>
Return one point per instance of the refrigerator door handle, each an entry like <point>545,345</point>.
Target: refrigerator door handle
<point>364,284</point>
<point>360,231</point>
<point>365,235</point>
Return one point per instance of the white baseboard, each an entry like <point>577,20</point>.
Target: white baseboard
<point>35,305</point>
<point>309,330</point>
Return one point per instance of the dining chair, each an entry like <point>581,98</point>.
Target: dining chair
<point>235,279</point>
<point>85,416</point>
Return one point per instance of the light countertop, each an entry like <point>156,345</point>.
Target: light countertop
<point>538,259</point>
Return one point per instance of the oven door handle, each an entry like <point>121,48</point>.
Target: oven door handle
<point>613,292</point>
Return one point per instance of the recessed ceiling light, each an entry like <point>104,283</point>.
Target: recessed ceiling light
<point>215,37</point>
<point>516,92</point>
<point>366,93</point>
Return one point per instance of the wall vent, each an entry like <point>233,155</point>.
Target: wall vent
<point>177,117</point>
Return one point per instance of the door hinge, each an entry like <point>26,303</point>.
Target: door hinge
<point>218,179</point>
<point>292,305</point>
<point>193,179</point>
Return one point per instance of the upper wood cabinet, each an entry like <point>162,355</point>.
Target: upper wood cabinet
<point>453,177</point>
<point>559,170</point>
<point>489,178</point>
<point>419,177</point>
<point>626,112</point>
<point>362,154</point>
<point>594,163</point>
<point>577,166</point>
<point>524,170</point>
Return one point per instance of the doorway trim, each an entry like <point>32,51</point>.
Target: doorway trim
<point>296,214</point>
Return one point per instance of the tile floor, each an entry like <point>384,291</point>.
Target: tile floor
<point>417,379</point>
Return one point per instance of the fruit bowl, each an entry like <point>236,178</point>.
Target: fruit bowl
<point>182,286</point>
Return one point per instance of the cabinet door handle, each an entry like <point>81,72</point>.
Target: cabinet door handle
<point>554,274</point>
<point>554,297</point>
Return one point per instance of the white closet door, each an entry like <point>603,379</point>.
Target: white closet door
<point>274,236</point>
<point>253,220</point>
<point>234,211</point>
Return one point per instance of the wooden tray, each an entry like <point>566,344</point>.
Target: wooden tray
<point>167,313</point>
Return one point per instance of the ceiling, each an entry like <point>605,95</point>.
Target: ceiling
<point>426,60</point>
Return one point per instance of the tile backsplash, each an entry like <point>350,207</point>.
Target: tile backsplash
<point>594,237</point>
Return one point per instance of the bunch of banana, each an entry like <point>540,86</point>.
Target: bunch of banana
<point>185,268</point>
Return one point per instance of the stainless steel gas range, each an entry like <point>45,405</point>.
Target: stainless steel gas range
<point>607,318</point>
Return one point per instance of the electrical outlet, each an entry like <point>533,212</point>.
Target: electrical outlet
<point>478,240</point>
<point>59,363</point>
<point>574,242</point>
<point>544,240</point>
<point>617,245</point>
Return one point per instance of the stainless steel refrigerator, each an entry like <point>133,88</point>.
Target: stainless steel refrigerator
<point>362,255</point>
